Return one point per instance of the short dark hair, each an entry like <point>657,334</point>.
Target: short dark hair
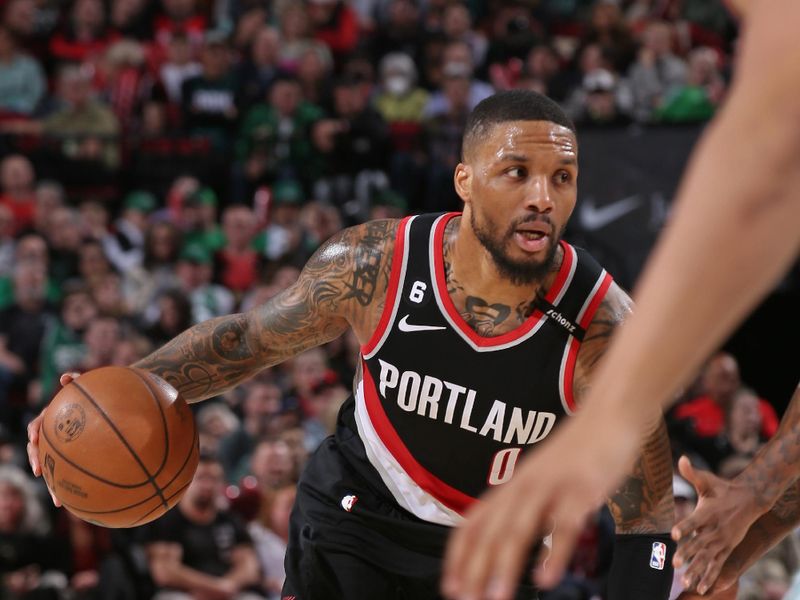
<point>511,105</point>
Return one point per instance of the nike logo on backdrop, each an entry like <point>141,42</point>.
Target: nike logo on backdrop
<point>592,217</point>
<point>404,325</point>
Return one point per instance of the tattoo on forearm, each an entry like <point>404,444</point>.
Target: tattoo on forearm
<point>230,341</point>
<point>766,532</point>
<point>774,468</point>
<point>213,355</point>
<point>787,508</point>
<point>218,354</point>
<point>644,503</point>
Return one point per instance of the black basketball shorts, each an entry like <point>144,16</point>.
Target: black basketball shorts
<point>348,540</point>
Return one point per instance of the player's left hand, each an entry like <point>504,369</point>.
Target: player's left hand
<point>725,510</point>
<point>563,482</point>
<point>33,437</point>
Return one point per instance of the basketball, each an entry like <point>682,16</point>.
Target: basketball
<point>118,446</point>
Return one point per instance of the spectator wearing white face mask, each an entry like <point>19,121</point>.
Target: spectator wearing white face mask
<point>400,100</point>
<point>457,61</point>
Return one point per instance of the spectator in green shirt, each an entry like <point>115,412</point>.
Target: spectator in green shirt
<point>275,140</point>
<point>199,220</point>
<point>31,247</point>
<point>698,99</point>
<point>62,347</point>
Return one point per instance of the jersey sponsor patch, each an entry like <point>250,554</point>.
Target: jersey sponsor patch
<point>658,556</point>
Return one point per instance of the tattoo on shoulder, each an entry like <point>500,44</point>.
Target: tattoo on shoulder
<point>368,254</point>
<point>613,310</point>
<point>343,278</point>
<point>353,264</point>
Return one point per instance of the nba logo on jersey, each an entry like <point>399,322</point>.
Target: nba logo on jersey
<point>658,556</point>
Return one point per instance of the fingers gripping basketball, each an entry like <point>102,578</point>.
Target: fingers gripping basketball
<point>118,446</point>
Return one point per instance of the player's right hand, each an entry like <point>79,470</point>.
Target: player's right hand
<point>33,436</point>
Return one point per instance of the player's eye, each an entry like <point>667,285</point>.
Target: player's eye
<point>516,172</point>
<point>563,176</point>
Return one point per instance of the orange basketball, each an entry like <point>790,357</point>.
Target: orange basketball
<point>118,446</point>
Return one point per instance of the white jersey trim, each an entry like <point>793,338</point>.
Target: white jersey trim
<point>405,490</point>
<point>573,341</point>
<point>591,295</point>
<point>562,376</point>
<point>572,269</point>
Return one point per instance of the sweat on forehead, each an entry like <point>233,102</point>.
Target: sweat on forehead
<point>512,105</point>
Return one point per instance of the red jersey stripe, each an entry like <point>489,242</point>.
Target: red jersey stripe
<point>446,494</point>
<point>391,291</point>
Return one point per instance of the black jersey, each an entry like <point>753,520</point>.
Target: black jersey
<point>443,412</point>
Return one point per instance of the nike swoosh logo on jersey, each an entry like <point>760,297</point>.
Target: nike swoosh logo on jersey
<point>593,217</point>
<point>404,325</point>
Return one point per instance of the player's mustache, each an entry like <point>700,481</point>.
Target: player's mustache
<point>531,218</point>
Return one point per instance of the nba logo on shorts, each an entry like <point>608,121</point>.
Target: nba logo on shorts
<point>658,556</point>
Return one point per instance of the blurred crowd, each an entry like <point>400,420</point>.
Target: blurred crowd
<point>344,98</point>
<point>163,162</point>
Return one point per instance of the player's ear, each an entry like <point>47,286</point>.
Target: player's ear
<point>463,181</point>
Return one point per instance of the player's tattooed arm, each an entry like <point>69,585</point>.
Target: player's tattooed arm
<point>732,520</point>
<point>343,284</point>
<point>766,532</point>
<point>644,503</point>
<point>774,469</point>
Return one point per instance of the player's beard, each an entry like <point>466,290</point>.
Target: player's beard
<point>519,272</point>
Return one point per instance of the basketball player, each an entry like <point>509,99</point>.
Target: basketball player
<point>732,235</point>
<point>479,332</point>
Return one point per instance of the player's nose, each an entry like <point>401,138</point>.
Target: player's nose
<point>537,195</point>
